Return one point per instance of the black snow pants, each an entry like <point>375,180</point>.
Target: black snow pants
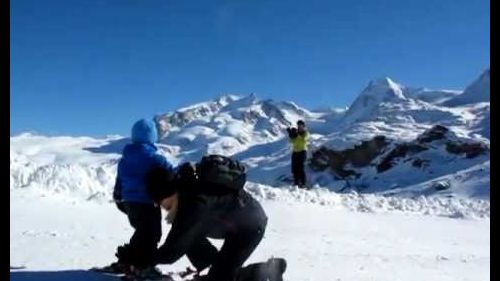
<point>146,221</point>
<point>298,167</point>
<point>226,263</point>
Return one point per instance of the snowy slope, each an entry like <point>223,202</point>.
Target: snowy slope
<point>471,182</point>
<point>431,96</point>
<point>319,242</point>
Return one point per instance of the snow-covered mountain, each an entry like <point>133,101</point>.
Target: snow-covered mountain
<point>377,93</point>
<point>253,131</point>
<point>228,125</point>
<point>388,108</point>
<point>478,91</point>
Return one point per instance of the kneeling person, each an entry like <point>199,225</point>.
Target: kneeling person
<point>210,210</point>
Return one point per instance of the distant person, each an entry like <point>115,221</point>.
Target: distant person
<point>139,158</point>
<point>299,138</point>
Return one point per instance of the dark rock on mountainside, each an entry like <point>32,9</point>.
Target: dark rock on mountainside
<point>384,154</point>
<point>358,156</point>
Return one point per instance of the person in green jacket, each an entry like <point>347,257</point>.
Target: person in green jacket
<point>299,138</point>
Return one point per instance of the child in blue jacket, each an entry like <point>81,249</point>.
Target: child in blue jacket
<point>132,197</point>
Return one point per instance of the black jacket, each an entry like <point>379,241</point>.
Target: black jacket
<point>200,216</point>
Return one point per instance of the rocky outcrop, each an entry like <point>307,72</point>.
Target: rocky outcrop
<point>384,154</point>
<point>358,156</point>
<point>470,150</point>
<point>400,151</point>
<point>437,132</point>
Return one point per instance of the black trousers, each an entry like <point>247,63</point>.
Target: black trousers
<point>225,263</point>
<point>146,221</point>
<point>298,167</point>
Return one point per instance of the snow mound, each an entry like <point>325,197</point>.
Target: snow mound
<point>371,203</point>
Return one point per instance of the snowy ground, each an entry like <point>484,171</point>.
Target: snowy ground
<point>57,237</point>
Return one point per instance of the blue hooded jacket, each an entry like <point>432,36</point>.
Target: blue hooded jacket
<point>138,158</point>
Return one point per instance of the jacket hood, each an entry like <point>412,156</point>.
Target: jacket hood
<point>144,131</point>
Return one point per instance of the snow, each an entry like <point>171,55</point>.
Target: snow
<point>45,150</point>
<point>431,96</point>
<point>318,241</point>
<point>473,182</point>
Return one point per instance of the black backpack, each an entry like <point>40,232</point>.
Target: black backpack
<point>220,175</point>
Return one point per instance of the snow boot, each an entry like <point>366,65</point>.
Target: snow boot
<point>147,273</point>
<point>114,268</point>
<point>272,270</point>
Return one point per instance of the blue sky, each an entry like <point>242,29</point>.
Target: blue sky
<point>93,67</point>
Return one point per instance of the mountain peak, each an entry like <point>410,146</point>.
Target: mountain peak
<point>378,91</point>
<point>383,82</point>
<point>227,98</point>
<point>384,85</point>
<point>385,88</point>
<point>477,91</point>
